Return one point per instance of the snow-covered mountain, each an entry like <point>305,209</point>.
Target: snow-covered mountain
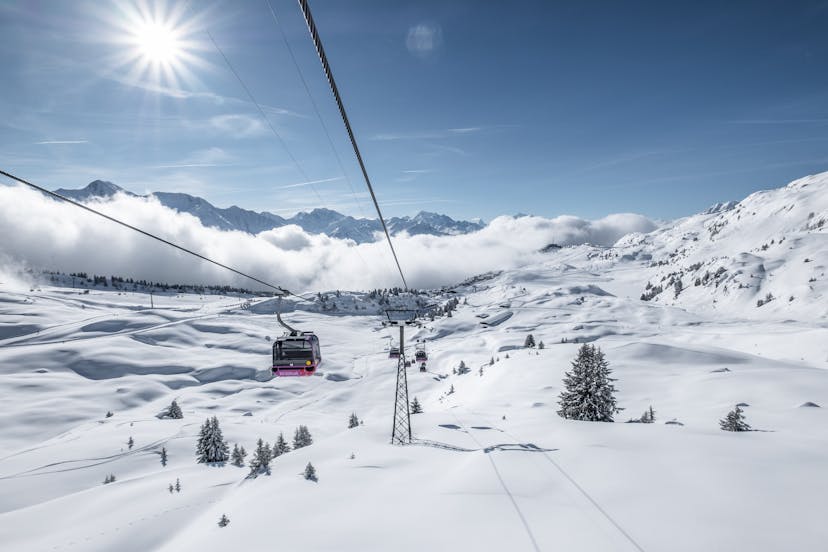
<point>768,252</point>
<point>318,221</point>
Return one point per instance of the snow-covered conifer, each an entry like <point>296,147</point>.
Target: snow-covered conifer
<point>281,446</point>
<point>211,446</point>
<point>530,341</point>
<point>130,443</point>
<point>302,437</point>
<point>175,411</point>
<point>541,345</point>
<point>163,456</point>
<point>589,393</point>
<point>463,369</point>
<point>353,421</point>
<point>224,521</point>
<point>416,407</point>
<point>171,488</point>
<point>177,485</point>
<point>310,472</point>
<point>109,414</point>
<point>237,456</point>
<point>260,462</point>
<point>734,421</point>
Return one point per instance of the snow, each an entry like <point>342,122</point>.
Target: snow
<point>493,467</point>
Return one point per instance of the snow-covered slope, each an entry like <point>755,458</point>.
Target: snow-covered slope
<point>763,256</point>
<point>492,467</point>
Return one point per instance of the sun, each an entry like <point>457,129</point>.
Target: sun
<point>158,43</point>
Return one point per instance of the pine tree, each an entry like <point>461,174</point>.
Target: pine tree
<point>224,521</point>
<point>310,472</point>
<point>589,394</point>
<point>530,341</point>
<point>281,446</point>
<point>109,414</point>
<point>648,417</point>
<point>211,446</point>
<point>171,488</point>
<point>237,456</point>
<point>353,421</point>
<point>541,345</point>
<point>451,390</point>
<point>130,443</point>
<point>260,463</point>
<point>177,485</point>
<point>734,421</point>
<point>416,407</point>
<point>463,369</point>
<point>163,456</point>
<point>491,361</point>
<point>175,412</point>
<point>302,437</point>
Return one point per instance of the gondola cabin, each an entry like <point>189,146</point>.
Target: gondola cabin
<point>420,354</point>
<point>296,354</point>
<point>394,352</point>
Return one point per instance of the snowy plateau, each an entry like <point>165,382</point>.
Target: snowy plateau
<point>726,307</point>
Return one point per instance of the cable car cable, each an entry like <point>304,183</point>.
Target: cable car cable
<point>317,42</point>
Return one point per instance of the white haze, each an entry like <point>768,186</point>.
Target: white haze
<point>43,232</point>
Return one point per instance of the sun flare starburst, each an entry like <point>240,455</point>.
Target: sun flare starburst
<point>156,44</point>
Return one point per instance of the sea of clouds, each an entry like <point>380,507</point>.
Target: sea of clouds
<point>41,232</point>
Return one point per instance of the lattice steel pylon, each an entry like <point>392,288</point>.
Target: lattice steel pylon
<point>401,433</point>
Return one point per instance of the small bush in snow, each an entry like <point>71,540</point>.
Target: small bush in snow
<point>463,369</point>
<point>224,521</point>
<point>171,488</point>
<point>451,390</point>
<point>109,479</point>
<point>734,421</point>
<point>416,408</point>
<point>530,341</point>
<point>353,421</point>
<point>310,472</point>
<point>130,443</point>
<point>302,437</point>
<point>648,417</point>
<point>109,414</point>
<point>541,345</point>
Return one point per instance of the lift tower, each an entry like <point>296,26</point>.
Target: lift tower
<point>401,431</point>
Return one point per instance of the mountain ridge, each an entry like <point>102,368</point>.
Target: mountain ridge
<point>317,221</point>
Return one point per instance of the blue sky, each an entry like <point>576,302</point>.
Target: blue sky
<point>471,108</point>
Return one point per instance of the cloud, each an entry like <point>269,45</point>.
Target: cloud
<point>310,182</point>
<point>50,142</point>
<point>424,39</point>
<point>53,235</point>
<point>238,125</point>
